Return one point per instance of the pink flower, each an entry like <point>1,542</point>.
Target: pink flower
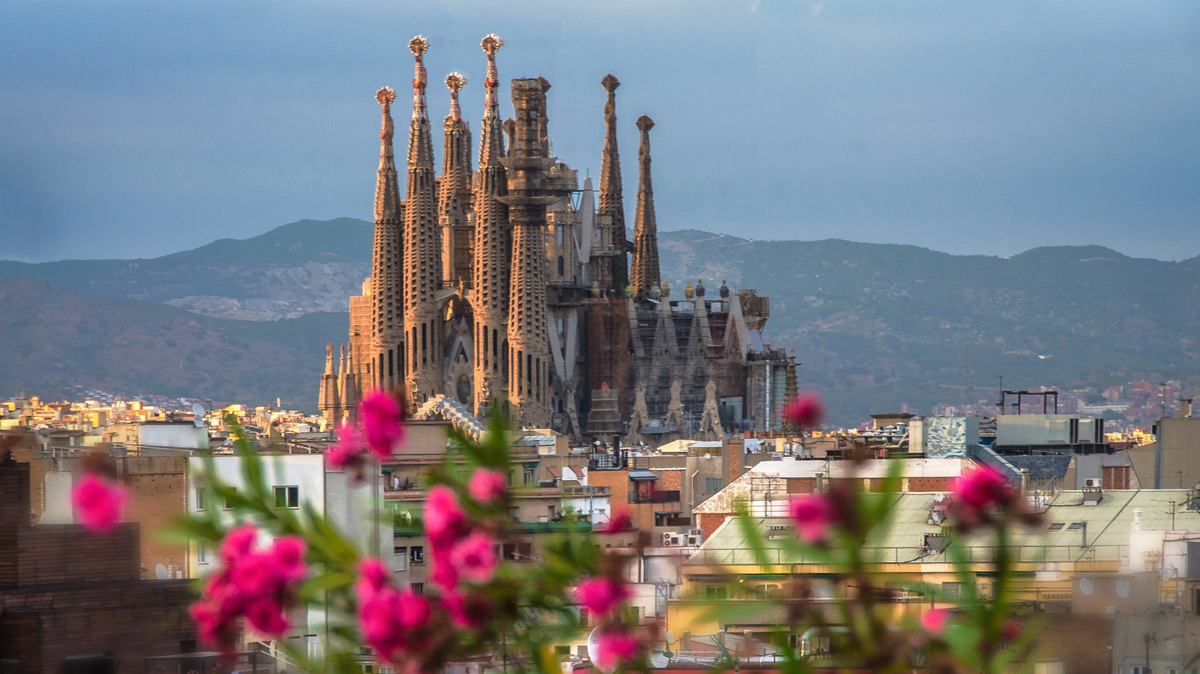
<point>487,486</point>
<point>935,621</point>
<point>444,517</point>
<point>238,543</point>
<point>391,621</point>
<point>805,411</point>
<point>348,452</point>
<point>443,574</point>
<point>373,577</point>
<point>99,503</point>
<point>619,522</point>
<point>982,488</point>
<point>287,557</point>
<point>267,617</point>
<point>813,514</point>
<point>601,596</point>
<point>474,558</point>
<point>380,417</point>
<point>255,584</point>
<point>1010,632</point>
<point>614,647</point>
<point>469,610</point>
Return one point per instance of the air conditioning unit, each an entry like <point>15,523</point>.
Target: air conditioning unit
<point>1091,483</point>
<point>693,541</point>
<point>695,532</point>
<point>667,538</point>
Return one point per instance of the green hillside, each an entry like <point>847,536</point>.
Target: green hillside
<point>875,326</point>
<point>881,325</point>
<point>54,339</point>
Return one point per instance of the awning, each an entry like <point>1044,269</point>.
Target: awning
<point>642,475</point>
<point>555,471</point>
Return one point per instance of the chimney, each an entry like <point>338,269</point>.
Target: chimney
<point>1185,408</point>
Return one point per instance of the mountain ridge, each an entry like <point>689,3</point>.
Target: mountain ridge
<point>877,326</point>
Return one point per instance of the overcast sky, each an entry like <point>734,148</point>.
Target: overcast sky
<point>141,128</point>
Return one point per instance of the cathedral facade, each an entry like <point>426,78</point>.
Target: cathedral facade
<point>509,286</point>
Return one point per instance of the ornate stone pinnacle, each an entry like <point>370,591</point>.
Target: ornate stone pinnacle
<point>386,96</point>
<point>455,82</point>
<point>491,43</point>
<point>418,46</point>
<point>644,123</point>
<point>610,83</point>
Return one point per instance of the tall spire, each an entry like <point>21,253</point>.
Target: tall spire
<point>645,229</point>
<point>611,201</point>
<point>527,164</point>
<point>423,357</point>
<point>454,187</point>
<point>327,397</point>
<point>419,153</point>
<point>491,251</point>
<point>387,259</point>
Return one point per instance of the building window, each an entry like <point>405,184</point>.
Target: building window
<point>401,556</point>
<point>227,504</point>
<point>201,553</point>
<point>287,497</point>
<point>951,590</point>
<point>417,588</point>
<point>528,476</point>
<point>416,554</point>
<point>712,485</point>
<point>715,592</point>
<point>199,498</point>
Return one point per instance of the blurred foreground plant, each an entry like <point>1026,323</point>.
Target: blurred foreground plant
<point>274,559</point>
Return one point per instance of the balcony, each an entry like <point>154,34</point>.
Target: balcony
<point>655,497</point>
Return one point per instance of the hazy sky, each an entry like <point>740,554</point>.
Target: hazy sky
<point>141,128</point>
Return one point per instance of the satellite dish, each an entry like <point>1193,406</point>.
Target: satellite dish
<point>594,650</point>
<point>670,638</point>
<point>198,412</point>
<point>659,660</point>
<point>1122,589</point>
<point>707,456</point>
<point>1085,586</point>
<point>160,572</point>
<point>939,497</point>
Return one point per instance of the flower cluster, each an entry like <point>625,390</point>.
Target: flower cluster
<point>99,502</point>
<point>980,492</point>
<point>396,623</point>
<point>462,554</point>
<point>805,411</point>
<point>404,627</point>
<point>813,514</point>
<point>256,584</point>
<point>603,597</point>
<point>380,433</point>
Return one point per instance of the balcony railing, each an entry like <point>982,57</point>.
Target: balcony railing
<point>655,497</point>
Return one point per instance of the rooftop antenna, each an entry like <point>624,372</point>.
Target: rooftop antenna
<point>966,378</point>
<point>1000,405</point>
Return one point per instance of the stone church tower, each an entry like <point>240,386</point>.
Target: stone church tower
<point>492,245</point>
<point>645,228</point>
<point>422,249</point>
<point>527,162</point>
<point>509,286</point>
<point>387,260</point>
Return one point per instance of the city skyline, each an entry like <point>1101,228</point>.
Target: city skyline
<point>136,132</point>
